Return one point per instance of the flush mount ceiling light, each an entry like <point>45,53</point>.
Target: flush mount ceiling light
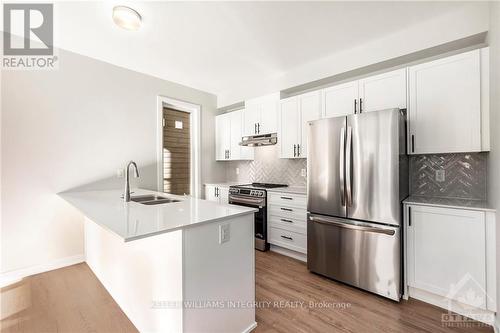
<point>126,18</point>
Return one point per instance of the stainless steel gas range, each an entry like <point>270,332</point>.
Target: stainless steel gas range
<point>254,195</point>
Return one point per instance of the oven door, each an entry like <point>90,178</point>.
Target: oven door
<point>259,217</point>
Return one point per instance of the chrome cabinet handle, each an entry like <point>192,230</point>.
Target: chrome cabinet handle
<point>341,166</point>
<point>287,209</point>
<point>285,220</point>
<point>412,143</point>
<point>355,106</point>
<point>294,150</point>
<point>322,220</point>
<point>286,198</point>
<point>287,237</point>
<point>255,128</point>
<point>348,174</point>
<point>360,105</point>
<point>258,128</point>
<point>298,150</point>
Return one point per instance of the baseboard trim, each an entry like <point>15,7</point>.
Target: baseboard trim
<point>250,328</point>
<point>14,276</point>
<point>289,253</point>
<point>454,306</point>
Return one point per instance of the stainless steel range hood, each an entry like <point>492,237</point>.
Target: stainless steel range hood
<point>259,140</point>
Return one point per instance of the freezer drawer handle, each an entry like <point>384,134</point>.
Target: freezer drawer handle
<point>389,232</point>
<point>287,237</point>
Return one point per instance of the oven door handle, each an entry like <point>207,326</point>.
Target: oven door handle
<point>237,199</point>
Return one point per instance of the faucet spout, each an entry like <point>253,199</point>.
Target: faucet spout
<point>126,194</point>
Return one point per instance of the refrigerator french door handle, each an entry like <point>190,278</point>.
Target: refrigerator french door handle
<point>342,166</point>
<point>321,220</point>
<point>348,174</point>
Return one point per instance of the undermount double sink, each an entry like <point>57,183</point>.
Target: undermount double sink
<point>152,199</point>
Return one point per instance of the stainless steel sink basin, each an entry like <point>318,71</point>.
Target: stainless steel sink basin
<point>152,199</point>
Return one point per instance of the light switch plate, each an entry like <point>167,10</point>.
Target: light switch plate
<point>440,176</point>
<point>224,233</point>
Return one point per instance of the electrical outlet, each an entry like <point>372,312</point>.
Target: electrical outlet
<point>440,176</point>
<point>120,173</point>
<point>237,171</point>
<point>303,172</point>
<point>224,233</point>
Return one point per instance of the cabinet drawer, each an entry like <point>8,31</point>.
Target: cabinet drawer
<point>288,239</point>
<point>299,226</point>
<point>286,199</point>
<point>288,212</point>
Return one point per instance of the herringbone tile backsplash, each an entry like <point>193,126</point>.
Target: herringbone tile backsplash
<point>465,175</point>
<point>267,167</point>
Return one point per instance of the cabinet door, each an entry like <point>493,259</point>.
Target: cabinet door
<point>446,249</point>
<point>340,100</point>
<point>210,193</point>
<point>238,152</point>
<point>222,136</point>
<point>223,195</point>
<point>310,109</point>
<point>445,105</point>
<point>289,127</point>
<point>251,117</point>
<point>269,115</point>
<point>384,91</point>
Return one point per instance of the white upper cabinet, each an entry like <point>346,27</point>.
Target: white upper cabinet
<point>384,91</point>
<point>261,115</point>
<point>310,109</point>
<point>294,113</point>
<point>445,104</point>
<point>290,127</point>
<point>251,117</point>
<point>340,100</point>
<point>374,93</point>
<point>228,134</point>
<point>222,136</point>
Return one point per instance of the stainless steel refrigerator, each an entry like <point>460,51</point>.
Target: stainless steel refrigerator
<point>357,179</point>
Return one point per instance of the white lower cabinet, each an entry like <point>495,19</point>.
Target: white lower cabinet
<point>287,221</point>
<point>217,193</point>
<point>448,257</point>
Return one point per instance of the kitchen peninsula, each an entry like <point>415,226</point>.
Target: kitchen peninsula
<point>168,264</point>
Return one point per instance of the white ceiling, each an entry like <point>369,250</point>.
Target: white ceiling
<point>215,46</point>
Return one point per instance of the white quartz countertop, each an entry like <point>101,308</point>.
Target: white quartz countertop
<point>450,203</point>
<point>290,189</point>
<point>132,220</point>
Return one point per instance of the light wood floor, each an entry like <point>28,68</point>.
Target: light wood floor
<point>72,300</point>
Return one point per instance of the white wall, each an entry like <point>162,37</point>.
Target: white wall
<point>73,127</point>
<point>469,19</point>
<point>494,156</point>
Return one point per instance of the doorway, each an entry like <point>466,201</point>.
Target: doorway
<point>178,142</point>
<point>176,152</point>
